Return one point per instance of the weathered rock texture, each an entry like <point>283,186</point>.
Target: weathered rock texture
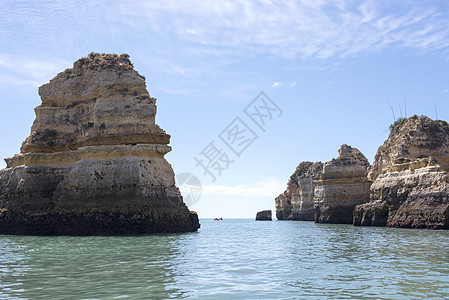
<point>264,215</point>
<point>410,174</point>
<point>341,185</point>
<point>297,202</point>
<point>94,161</point>
<point>326,193</point>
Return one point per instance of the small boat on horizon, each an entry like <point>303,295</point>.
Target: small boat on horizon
<point>218,219</point>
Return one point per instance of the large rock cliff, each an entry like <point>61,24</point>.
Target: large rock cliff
<point>410,174</point>
<point>341,186</point>
<point>94,161</point>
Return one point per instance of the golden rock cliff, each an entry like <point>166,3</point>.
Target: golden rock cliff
<point>94,161</point>
<point>326,193</point>
<point>341,186</point>
<point>297,202</point>
<point>410,174</point>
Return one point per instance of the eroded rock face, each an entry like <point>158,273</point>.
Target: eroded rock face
<point>409,140</point>
<point>341,185</point>
<point>297,202</point>
<point>411,178</point>
<point>94,161</point>
<point>326,193</point>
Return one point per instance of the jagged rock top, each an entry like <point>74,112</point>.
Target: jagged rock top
<point>101,101</point>
<point>303,170</point>
<point>94,76</point>
<point>349,157</point>
<point>416,139</point>
<point>97,61</point>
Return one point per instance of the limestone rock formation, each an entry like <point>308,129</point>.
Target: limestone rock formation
<point>410,173</point>
<point>94,161</point>
<point>341,185</point>
<point>326,193</point>
<point>411,139</point>
<point>264,215</point>
<point>297,202</point>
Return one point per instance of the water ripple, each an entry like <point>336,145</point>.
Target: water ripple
<point>231,259</point>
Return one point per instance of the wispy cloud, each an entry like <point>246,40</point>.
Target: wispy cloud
<point>269,187</point>
<point>18,70</point>
<point>276,84</point>
<point>287,28</point>
<point>292,28</point>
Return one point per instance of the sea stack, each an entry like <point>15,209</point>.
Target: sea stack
<point>341,185</point>
<point>410,177</point>
<point>326,193</point>
<point>264,215</point>
<point>94,161</point>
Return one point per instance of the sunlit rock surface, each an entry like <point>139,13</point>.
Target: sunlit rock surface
<point>410,174</point>
<point>297,202</point>
<point>341,185</point>
<point>94,161</point>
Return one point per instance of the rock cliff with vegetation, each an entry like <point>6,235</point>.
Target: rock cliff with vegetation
<point>407,185</point>
<point>94,161</point>
<point>410,174</point>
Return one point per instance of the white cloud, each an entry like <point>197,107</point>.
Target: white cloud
<point>299,28</point>
<point>269,187</point>
<point>276,84</point>
<point>18,70</point>
<point>292,84</point>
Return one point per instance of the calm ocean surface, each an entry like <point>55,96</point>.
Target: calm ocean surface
<point>231,259</point>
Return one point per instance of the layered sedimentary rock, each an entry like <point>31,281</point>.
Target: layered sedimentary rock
<point>341,185</point>
<point>94,161</point>
<point>264,215</point>
<point>297,202</point>
<point>410,174</point>
<point>326,193</point>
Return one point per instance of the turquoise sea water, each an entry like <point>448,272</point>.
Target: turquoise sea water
<point>231,259</point>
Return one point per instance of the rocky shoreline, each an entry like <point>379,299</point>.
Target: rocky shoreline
<point>94,161</point>
<point>407,185</point>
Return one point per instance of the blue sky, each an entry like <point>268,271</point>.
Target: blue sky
<point>332,67</point>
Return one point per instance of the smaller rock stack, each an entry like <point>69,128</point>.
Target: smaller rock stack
<point>326,193</point>
<point>264,215</point>
<point>341,185</point>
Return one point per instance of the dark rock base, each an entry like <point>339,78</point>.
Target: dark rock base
<point>306,215</point>
<point>424,208</point>
<point>264,215</point>
<point>334,215</point>
<point>282,214</point>
<point>143,221</point>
